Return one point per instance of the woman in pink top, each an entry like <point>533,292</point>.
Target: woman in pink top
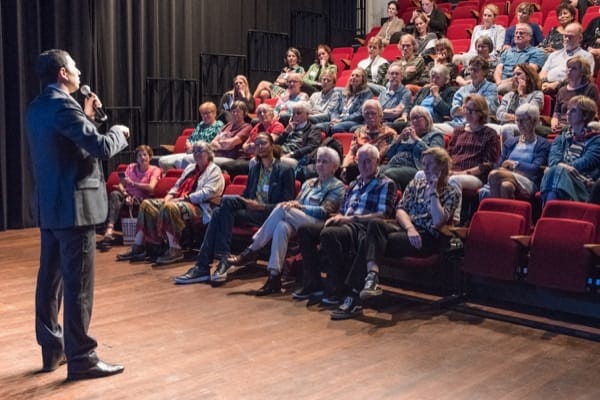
<point>136,184</point>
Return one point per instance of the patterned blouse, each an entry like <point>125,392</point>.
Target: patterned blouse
<point>205,132</point>
<point>418,205</point>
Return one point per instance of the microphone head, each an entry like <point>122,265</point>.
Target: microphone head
<point>85,90</point>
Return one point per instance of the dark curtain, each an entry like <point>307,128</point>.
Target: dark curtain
<point>116,44</point>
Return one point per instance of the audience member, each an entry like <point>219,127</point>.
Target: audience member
<point>393,25</point>
<point>437,20</point>
<point>190,197</point>
<point>372,132</point>
<point>227,145</point>
<point>437,95</point>
<point>426,207</point>
<point>484,47</point>
<point>292,95</point>
<point>323,63</point>
<point>348,115</point>
<point>555,40</point>
<point>240,92</point>
<point>521,53</point>
<point>318,199</point>
<point>574,160</point>
<point>375,66</point>
<point>205,131</point>
<point>269,183</point>
<point>524,11</point>
<point>370,196</point>
<point>488,28</point>
<point>395,98</point>
<point>443,54</point>
<point>277,88</point>
<point>324,103</point>
<point>411,62</point>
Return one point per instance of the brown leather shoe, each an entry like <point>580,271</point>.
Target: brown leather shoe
<point>245,257</point>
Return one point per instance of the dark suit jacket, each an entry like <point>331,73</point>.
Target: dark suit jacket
<point>311,139</point>
<point>281,184</point>
<point>65,146</point>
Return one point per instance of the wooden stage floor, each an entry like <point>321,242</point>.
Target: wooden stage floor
<point>198,342</point>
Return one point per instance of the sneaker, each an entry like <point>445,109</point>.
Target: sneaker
<point>196,274</point>
<point>135,253</point>
<point>220,274</point>
<point>171,255</point>
<point>371,288</point>
<point>305,293</point>
<point>331,300</point>
<point>349,309</point>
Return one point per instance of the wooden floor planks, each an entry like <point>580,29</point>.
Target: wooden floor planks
<point>198,342</point>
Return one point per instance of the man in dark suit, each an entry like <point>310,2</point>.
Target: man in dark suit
<point>269,182</point>
<point>71,198</point>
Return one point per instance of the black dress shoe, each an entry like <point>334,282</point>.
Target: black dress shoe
<point>99,370</point>
<point>52,360</point>
<point>246,256</point>
<point>273,285</point>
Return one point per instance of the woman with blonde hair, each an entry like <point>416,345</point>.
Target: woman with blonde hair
<point>240,92</point>
<point>348,114</point>
<point>489,29</point>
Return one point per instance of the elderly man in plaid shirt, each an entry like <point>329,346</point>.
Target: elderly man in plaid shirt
<point>371,195</point>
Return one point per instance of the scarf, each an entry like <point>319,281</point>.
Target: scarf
<point>188,183</point>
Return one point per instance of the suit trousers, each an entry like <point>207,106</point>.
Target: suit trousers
<point>66,267</point>
<point>279,226</point>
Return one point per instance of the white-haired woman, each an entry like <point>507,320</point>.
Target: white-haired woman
<point>519,170</point>
<point>319,198</point>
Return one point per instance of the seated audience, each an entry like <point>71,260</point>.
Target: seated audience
<point>519,170</point>
<point>323,63</point>
<point>591,40</point>
<point>521,53</point>
<point>348,114</point>
<point>240,92</point>
<point>443,54</point>
<point>525,89</point>
<point>579,82</point>
<point>555,40</point>
<point>395,98</point>
<point>488,28</point>
<point>394,24</point>
<point>436,19</point>
<point>292,95</point>
<point>267,124</point>
<point>424,38</point>
<point>300,137</point>
<point>375,66</point>
<point>165,219</point>
<point>411,62</point>
<point>484,47</point>
<point>574,160</point>
<point>479,68</point>
<point>437,95</point>
<point>318,199</point>
<point>404,154</point>
<point>267,89</point>
<point>524,11</point>
<point>227,145</point>
<point>269,183</point>
<point>370,196</point>
<point>136,184</point>
<point>426,207</point>
<point>324,102</point>
<point>373,132</point>
<point>554,71</point>
<point>206,130</point>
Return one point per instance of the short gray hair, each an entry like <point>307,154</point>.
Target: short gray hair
<point>302,105</point>
<point>530,111</point>
<point>372,103</point>
<point>205,148</point>
<point>441,70</point>
<point>369,149</point>
<point>334,157</point>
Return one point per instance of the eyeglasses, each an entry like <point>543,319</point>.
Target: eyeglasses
<point>416,117</point>
<point>471,110</point>
<point>261,143</point>
<point>198,151</point>
<point>521,33</point>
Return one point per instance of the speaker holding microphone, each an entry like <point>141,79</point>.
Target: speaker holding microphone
<point>100,114</point>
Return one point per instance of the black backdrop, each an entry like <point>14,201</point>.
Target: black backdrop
<point>117,44</point>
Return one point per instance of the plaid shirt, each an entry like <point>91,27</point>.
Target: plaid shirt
<point>378,195</point>
<point>472,149</point>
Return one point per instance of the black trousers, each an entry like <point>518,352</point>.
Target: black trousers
<point>66,267</point>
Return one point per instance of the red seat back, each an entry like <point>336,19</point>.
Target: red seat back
<point>518,207</point>
<point>163,186</point>
<point>573,210</point>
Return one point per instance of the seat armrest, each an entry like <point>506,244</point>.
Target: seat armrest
<point>593,248</point>
<point>460,231</point>
<point>522,240</point>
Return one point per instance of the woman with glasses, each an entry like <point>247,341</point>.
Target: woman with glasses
<point>227,145</point>
<point>240,92</point>
<point>323,63</point>
<point>411,62</point>
<point>484,47</point>
<point>375,66</point>
<point>266,89</point>
<point>393,25</point>
<point>574,160</point>
<point>519,171</point>
<point>206,130</point>
<point>373,132</point>
<point>404,154</point>
<point>291,96</point>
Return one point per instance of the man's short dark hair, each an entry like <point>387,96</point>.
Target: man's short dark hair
<point>49,63</point>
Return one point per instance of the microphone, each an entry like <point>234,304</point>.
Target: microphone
<point>100,114</point>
